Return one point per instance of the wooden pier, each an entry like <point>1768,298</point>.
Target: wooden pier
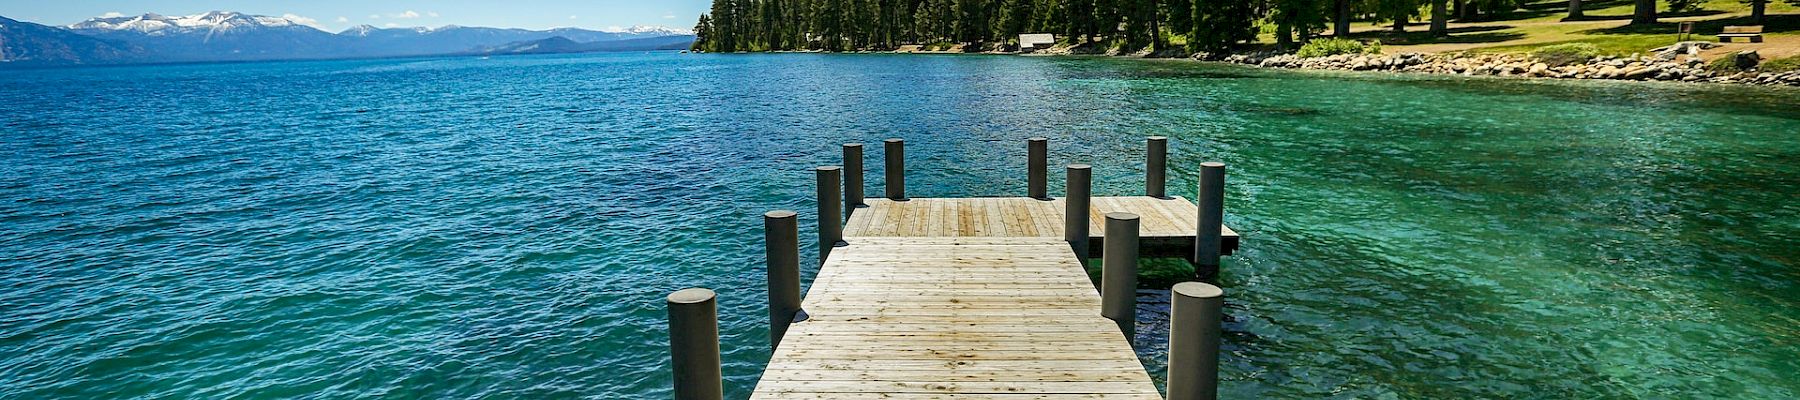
<point>1167,228</point>
<point>935,298</point>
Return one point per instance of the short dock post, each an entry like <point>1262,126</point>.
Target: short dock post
<point>1118,277</point>
<point>1194,341</point>
<point>781,232</point>
<point>831,228</point>
<point>853,178</point>
<point>1038,168</point>
<point>1156,168</point>
<point>1208,241</point>
<point>1075,213</point>
<point>694,344</point>
<point>895,152</point>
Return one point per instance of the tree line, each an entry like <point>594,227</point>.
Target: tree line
<point>1123,25</point>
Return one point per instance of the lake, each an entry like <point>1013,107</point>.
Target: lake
<point>508,227</point>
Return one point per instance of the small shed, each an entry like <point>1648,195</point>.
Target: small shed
<point>1032,41</point>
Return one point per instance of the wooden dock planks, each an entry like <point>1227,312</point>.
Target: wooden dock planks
<point>930,313</point>
<point>1166,223</point>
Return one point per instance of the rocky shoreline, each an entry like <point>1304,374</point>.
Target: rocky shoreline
<point>1637,68</point>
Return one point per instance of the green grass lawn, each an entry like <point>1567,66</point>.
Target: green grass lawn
<point>1541,24</point>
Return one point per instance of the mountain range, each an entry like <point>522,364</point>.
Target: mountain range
<point>231,36</point>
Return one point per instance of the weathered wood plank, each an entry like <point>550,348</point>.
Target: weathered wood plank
<point>1167,225</point>
<point>940,313</point>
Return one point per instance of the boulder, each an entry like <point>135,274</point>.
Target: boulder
<point>1746,59</point>
<point>1609,72</point>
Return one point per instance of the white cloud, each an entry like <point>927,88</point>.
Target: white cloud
<point>374,16</point>
<point>432,14</point>
<point>668,16</point>
<point>574,17</point>
<point>112,14</point>
<point>391,25</point>
<point>302,20</point>
<point>343,19</point>
<point>409,14</point>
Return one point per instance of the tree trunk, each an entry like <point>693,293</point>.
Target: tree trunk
<point>1644,12</point>
<point>1575,9</point>
<point>1340,26</point>
<point>1461,6</point>
<point>1284,36</point>
<point>1439,27</point>
<point>1757,8</point>
<point>1156,43</point>
<point>1400,25</point>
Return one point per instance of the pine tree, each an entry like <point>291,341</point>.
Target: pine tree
<point>703,34</point>
<point>1302,18</point>
<point>1397,11</point>
<point>1218,25</point>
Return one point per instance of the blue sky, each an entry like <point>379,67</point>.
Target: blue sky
<point>335,15</point>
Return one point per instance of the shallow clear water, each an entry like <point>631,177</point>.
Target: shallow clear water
<point>453,228</point>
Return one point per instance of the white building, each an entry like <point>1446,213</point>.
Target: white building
<point>1032,41</point>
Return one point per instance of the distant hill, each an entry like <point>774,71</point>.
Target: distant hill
<point>231,36</point>
<point>25,43</point>
<point>559,44</point>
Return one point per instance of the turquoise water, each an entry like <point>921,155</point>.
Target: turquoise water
<point>507,228</point>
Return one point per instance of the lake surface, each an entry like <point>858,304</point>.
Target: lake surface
<point>508,227</point>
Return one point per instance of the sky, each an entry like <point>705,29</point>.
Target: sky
<point>336,15</point>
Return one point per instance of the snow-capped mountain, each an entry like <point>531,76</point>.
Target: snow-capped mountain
<point>649,31</point>
<point>211,22</point>
<point>232,36</point>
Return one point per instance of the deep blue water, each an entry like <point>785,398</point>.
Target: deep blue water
<point>508,227</point>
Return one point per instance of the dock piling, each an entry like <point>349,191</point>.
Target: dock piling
<point>1038,168</point>
<point>1195,315</point>
<point>1156,167</point>
<point>853,178</point>
<point>1075,215</point>
<point>895,154</point>
<point>694,344</point>
<point>1208,241</point>
<point>1118,277</point>
<point>781,232</point>
<point>831,228</point>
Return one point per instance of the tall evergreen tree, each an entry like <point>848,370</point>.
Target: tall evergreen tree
<point>702,34</point>
<point>1340,19</point>
<point>1643,12</point>
<point>1220,24</point>
<point>1301,18</point>
<point>1397,11</point>
<point>1439,26</point>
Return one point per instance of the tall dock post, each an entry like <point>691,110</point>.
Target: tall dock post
<point>831,228</point>
<point>1075,213</point>
<point>1118,277</point>
<point>1156,167</point>
<point>853,178</point>
<point>781,233</point>
<point>894,150</point>
<point>1038,168</point>
<point>694,344</point>
<point>1208,240</point>
<point>1194,341</point>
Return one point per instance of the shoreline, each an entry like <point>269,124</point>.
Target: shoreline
<point>1627,68</point>
<point>1624,68</point>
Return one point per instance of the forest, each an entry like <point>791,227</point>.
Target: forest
<point>1117,25</point>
